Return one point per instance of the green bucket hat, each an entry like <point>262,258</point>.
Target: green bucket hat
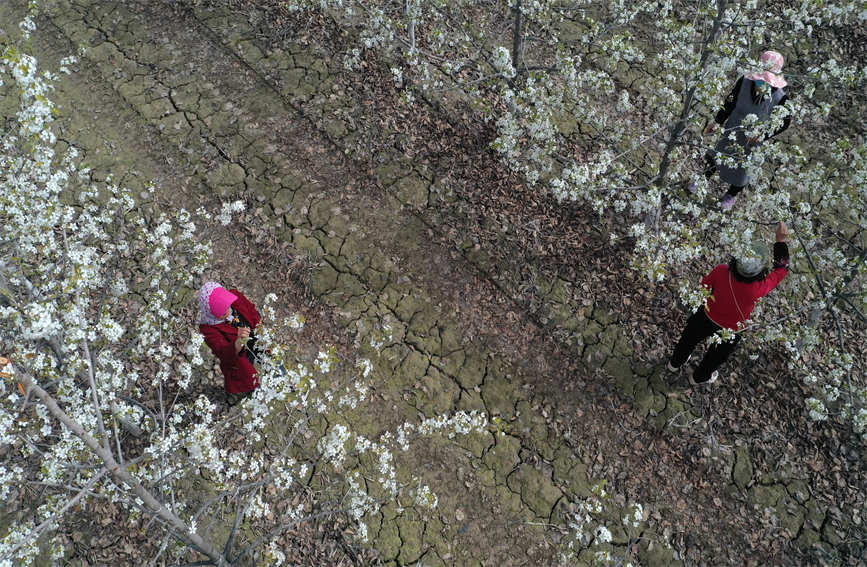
<point>753,260</point>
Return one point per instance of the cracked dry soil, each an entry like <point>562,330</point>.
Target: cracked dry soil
<point>205,104</point>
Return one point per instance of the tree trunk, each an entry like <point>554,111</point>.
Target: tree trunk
<point>651,221</point>
<point>678,127</point>
<point>517,37</point>
<point>410,25</point>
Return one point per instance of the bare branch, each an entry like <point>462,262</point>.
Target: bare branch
<point>33,535</point>
<point>95,398</point>
<point>829,306</point>
<point>282,528</point>
<point>121,476</point>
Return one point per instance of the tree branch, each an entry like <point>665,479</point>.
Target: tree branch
<point>34,534</point>
<point>95,398</point>
<point>829,306</point>
<point>121,476</point>
<point>679,126</point>
<point>280,529</point>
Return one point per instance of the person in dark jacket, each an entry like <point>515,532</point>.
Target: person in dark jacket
<point>228,321</point>
<point>735,289</point>
<point>758,93</point>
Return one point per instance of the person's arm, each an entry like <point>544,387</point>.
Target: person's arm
<point>710,280</point>
<point>781,261</point>
<point>781,255</point>
<point>241,341</point>
<point>787,120</point>
<point>246,307</point>
<point>729,104</point>
<point>222,348</point>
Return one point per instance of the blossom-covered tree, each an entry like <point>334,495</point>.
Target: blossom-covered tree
<point>98,375</point>
<point>606,103</point>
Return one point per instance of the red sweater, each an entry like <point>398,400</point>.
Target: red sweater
<point>239,374</point>
<point>732,301</point>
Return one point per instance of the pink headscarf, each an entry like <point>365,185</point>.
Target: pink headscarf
<point>214,298</point>
<point>771,63</point>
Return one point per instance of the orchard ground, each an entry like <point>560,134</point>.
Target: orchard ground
<point>388,222</point>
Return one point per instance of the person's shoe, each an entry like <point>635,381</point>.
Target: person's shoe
<point>713,377</point>
<point>728,201</point>
<point>670,368</point>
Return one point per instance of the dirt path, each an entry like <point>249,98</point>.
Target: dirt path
<point>210,112</point>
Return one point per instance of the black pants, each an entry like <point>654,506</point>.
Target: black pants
<point>711,169</point>
<point>698,328</point>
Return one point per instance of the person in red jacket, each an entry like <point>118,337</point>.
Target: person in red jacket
<point>228,321</point>
<point>735,289</point>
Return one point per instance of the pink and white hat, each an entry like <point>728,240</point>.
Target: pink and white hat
<point>771,64</point>
<point>214,300</point>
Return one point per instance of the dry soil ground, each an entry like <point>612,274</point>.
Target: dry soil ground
<point>365,213</point>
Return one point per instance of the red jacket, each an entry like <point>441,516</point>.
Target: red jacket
<point>732,301</point>
<point>239,374</point>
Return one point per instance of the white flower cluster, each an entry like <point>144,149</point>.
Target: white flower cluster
<point>274,555</point>
<point>818,412</point>
<point>353,395</point>
<point>18,545</point>
<point>229,209</point>
<point>501,60</point>
<point>602,534</point>
<point>336,445</point>
<point>634,516</point>
<point>397,76</point>
<point>694,297</point>
<point>377,338</point>
<point>461,423</point>
<point>333,447</point>
<point>9,477</point>
<point>66,62</point>
<point>366,367</point>
<point>860,421</point>
<point>425,498</point>
<point>296,321</point>
<point>325,360</point>
<point>586,522</point>
<point>359,503</point>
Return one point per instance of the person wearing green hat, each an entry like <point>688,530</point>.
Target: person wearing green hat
<point>735,289</point>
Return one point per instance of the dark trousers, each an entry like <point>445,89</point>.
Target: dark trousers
<point>711,169</point>
<point>698,328</point>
